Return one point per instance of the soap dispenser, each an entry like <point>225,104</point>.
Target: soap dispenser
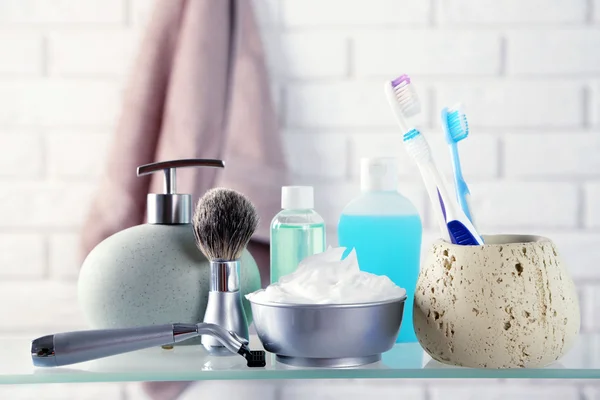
<point>154,273</point>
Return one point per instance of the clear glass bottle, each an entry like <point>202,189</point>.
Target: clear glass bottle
<point>297,232</point>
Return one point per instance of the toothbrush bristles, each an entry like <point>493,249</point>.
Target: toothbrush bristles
<point>458,127</point>
<point>417,146</point>
<point>406,96</point>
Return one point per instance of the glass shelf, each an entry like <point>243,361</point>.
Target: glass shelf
<point>190,363</point>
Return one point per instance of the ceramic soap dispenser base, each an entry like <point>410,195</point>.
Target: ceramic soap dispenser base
<point>154,274</point>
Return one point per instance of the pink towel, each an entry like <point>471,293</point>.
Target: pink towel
<point>199,89</point>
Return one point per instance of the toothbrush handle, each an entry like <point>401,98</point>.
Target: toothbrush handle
<point>433,193</point>
<point>74,347</point>
<point>463,199</point>
<point>460,186</point>
<point>446,199</point>
<point>468,203</point>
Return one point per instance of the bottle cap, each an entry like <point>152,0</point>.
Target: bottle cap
<point>379,173</point>
<point>297,197</point>
<point>170,207</point>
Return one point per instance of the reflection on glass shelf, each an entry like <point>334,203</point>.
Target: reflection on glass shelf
<point>192,363</point>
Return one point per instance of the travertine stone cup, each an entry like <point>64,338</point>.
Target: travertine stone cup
<point>507,304</point>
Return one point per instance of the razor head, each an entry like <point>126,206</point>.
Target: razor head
<point>254,358</point>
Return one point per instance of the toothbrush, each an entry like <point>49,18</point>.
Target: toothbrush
<point>456,129</point>
<point>457,226</point>
<point>404,101</point>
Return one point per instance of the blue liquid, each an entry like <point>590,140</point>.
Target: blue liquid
<point>387,245</point>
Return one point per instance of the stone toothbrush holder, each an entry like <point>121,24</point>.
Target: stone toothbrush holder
<point>509,303</point>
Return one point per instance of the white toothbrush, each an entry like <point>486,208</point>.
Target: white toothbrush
<point>405,103</point>
<point>456,227</point>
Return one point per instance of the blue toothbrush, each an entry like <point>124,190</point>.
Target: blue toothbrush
<point>456,128</point>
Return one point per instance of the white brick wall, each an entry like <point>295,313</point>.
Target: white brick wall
<point>592,200</point>
<point>75,154</point>
<point>449,52</point>
<point>22,54</point>
<point>570,156</point>
<point>58,102</point>
<point>504,103</point>
<point>527,70</point>
<point>566,51</point>
<point>91,53</point>
<point>308,55</point>
<point>526,12</point>
<point>334,13</point>
<point>518,205</point>
<point>21,155</point>
<point>93,12</point>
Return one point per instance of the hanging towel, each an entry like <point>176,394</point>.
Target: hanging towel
<point>199,89</point>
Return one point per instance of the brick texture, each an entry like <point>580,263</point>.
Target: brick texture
<point>525,12</point>
<point>64,260</point>
<point>22,54</point>
<point>527,72</point>
<point>22,256</point>
<point>561,51</point>
<point>58,102</point>
<point>592,205</point>
<point>566,155</point>
<point>347,105</point>
<point>91,54</point>
<point>450,52</point>
<point>353,12</point>
<point>21,155</point>
<point>50,205</point>
<point>525,104</point>
<point>518,205</point>
<point>317,155</point>
<point>307,55</point>
<point>13,12</point>
<point>75,155</point>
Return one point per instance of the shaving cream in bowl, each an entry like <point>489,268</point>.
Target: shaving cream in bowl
<point>328,313</point>
<point>325,278</point>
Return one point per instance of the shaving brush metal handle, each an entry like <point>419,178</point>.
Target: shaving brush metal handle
<point>224,222</point>
<point>224,276</point>
<point>224,307</point>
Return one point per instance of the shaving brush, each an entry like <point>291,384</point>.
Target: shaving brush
<point>224,221</point>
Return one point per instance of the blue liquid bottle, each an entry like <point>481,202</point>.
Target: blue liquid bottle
<point>385,229</point>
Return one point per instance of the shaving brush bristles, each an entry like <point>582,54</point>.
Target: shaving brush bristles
<point>224,221</point>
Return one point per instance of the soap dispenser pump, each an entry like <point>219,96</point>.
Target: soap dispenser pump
<point>170,207</point>
<point>153,273</point>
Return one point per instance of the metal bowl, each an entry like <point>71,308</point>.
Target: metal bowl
<point>328,335</point>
